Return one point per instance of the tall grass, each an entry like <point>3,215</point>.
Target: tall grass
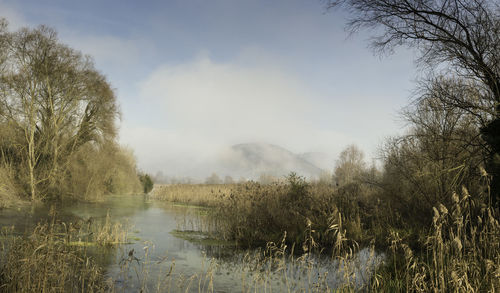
<point>462,252</point>
<point>43,262</point>
<point>292,222</point>
<point>458,251</point>
<point>254,214</point>
<point>55,256</point>
<point>192,194</point>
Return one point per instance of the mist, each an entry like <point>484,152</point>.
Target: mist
<point>208,107</point>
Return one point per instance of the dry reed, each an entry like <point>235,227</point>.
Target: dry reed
<point>192,194</point>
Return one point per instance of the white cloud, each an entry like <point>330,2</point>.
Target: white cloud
<point>228,99</point>
<point>208,106</point>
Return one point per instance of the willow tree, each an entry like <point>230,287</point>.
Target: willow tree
<point>463,37</point>
<point>56,100</point>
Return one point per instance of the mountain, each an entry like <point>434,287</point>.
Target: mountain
<point>251,160</point>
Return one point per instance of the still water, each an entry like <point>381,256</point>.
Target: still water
<point>159,258</point>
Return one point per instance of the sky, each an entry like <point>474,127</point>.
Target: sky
<point>194,77</point>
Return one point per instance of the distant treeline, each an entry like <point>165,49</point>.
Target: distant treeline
<point>58,134</point>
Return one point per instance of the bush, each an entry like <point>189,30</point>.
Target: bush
<point>147,183</point>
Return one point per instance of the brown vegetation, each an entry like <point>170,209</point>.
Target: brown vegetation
<point>433,208</point>
<point>192,194</point>
<point>55,257</point>
<point>57,122</point>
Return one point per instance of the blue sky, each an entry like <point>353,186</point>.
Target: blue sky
<point>194,77</point>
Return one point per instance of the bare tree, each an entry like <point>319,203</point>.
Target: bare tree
<point>462,35</point>
<point>54,96</point>
<point>441,153</point>
<point>213,179</point>
<point>228,180</point>
<point>350,165</point>
<point>465,34</point>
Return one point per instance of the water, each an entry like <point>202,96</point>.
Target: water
<point>157,259</point>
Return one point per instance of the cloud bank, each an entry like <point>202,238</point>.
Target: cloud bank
<point>202,107</point>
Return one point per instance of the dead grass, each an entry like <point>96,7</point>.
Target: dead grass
<point>54,256</point>
<point>192,194</point>
<point>461,248</point>
<point>43,262</point>
<point>462,252</point>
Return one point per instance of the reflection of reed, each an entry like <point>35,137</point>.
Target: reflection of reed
<point>261,270</point>
<point>192,218</point>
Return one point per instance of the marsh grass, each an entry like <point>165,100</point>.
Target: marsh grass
<point>43,262</point>
<point>111,233</point>
<point>55,256</point>
<point>458,251</point>
<point>254,214</point>
<point>315,252</point>
<point>462,252</point>
<point>192,194</point>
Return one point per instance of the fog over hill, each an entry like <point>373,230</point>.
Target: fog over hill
<point>250,161</point>
<point>321,160</point>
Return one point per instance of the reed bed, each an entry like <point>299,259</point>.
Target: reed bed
<point>254,214</point>
<point>458,251</point>
<point>56,256</point>
<point>44,263</point>
<point>293,223</point>
<point>462,252</point>
<point>192,194</point>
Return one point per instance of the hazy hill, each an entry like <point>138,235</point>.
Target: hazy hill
<point>250,160</point>
<point>321,160</point>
